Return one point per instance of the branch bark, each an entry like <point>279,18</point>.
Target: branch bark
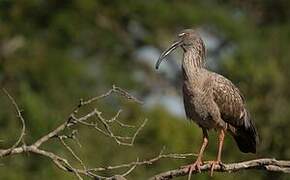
<point>266,164</point>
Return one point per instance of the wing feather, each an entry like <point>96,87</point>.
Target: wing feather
<point>230,101</point>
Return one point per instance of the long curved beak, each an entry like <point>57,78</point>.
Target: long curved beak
<point>166,52</point>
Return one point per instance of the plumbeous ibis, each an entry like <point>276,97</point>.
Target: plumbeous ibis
<point>211,100</point>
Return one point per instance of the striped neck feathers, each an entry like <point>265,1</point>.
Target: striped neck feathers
<point>194,56</point>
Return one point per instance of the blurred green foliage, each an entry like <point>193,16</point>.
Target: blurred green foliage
<point>52,53</point>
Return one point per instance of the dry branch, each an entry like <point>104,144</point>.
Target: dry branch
<point>90,120</point>
<point>19,115</point>
<point>161,155</point>
<point>59,134</point>
<point>271,165</point>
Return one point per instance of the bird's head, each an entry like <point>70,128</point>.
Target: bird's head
<point>187,39</point>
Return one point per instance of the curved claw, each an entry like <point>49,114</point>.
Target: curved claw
<point>213,164</point>
<point>193,167</point>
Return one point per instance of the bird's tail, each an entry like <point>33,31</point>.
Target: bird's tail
<point>246,136</point>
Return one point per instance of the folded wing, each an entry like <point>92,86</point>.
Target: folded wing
<point>233,111</point>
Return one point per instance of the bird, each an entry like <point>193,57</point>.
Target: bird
<point>211,100</point>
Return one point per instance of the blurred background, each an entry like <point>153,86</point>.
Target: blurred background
<point>52,53</point>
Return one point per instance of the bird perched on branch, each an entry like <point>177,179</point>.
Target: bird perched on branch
<point>211,100</point>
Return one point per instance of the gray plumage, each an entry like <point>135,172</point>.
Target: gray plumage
<point>210,99</point>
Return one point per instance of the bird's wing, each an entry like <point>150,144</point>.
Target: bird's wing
<point>230,101</point>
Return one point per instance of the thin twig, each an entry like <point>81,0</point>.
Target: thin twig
<point>161,155</point>
<point>72,152</point>
<point>107,128</point>
<point>130,170</point>
<point>19,115</point>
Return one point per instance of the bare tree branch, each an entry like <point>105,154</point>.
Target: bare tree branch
<point>261,164</point>
<point>72,152</point>
<point>91,119</point>
<point>161,155</point>
<point>72,120</point>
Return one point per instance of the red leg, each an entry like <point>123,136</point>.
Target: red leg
<point>221,137</point>
<point>196,165</point>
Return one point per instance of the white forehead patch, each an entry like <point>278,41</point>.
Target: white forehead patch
<point>181,34</point>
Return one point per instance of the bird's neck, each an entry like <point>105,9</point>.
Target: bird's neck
<point>193,63</point>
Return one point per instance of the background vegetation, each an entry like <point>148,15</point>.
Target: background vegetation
<point>52,53</point>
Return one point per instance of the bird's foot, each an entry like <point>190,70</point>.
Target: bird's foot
<point>193,167</point>
<point>214,165</point>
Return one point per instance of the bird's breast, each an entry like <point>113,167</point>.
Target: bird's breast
<point>196,106</point>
